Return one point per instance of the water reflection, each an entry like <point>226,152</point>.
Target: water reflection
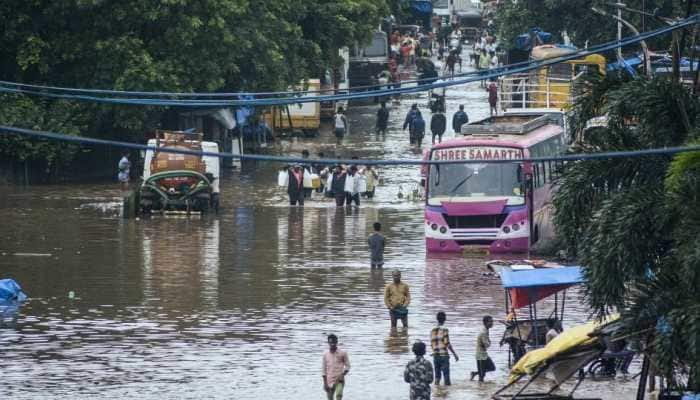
<point>8,314</point>
<point>181,263</point>
<point>397,341</point>
<point>237,306</point>
<point>377,282</point>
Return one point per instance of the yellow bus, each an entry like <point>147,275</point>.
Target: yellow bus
<point>549,87</point>
<point>304,117</point>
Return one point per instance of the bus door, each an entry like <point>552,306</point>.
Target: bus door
<point>526,179</point>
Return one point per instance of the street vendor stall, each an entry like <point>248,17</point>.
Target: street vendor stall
<point>524,288</point>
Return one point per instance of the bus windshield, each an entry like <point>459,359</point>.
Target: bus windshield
<point>475,182</point>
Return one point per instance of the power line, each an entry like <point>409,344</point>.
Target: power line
<point>596,48</point>
<point>667,151</point>
<point>207,103</point>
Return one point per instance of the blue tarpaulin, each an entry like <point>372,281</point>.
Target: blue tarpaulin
<point>10,291</point>
<point>628,64</point>
<point>522,42</point>
<point>422,6</point>
<point>541,277</point>
<point>242,113</point>
<point>422,10</point>
<point>632,62</point>
<point>528,286</point>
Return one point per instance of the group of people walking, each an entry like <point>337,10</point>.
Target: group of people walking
<point>419,372</point>
<point>484,53</point>
<point>344,183</point>
<point>411,45</point>
<point>438,123</point>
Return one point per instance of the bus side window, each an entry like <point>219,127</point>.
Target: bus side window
<point>560,167</point>
<point>537,175</point>
<point>552,170</point>
<point>543,165</point>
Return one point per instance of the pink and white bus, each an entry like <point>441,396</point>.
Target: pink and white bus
<point>493,207</point>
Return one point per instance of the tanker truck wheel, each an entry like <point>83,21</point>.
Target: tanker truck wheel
<point>215,202</point>
<point>201,203</point>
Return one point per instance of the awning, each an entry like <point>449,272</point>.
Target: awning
<point>528,286</point>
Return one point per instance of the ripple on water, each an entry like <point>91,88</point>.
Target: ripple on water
<point>238,306</point>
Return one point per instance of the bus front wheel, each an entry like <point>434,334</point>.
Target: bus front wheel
<point>535,234</point>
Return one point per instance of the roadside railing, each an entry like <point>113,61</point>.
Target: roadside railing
<point>525,91</point>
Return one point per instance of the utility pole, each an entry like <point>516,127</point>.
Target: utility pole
<point>681,45</point>
<point>643,44</point>
<point>619,29</point>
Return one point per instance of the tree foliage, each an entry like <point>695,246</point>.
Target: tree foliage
<point>578,20</point>
<point>163,45</point>
<point>634,222</point>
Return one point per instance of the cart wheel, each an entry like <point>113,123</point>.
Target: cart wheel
<point>599,369</point>
<point>202,205</point>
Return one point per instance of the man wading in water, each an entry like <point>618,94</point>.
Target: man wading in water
<point>124,171</point>
<point>440,343</point>
<point>341,124</point>
<point>484,363</point>
<point>376,244</point>
<point>334,367</point>
<point>382,118</point>
<point>419,374</point>
<point>397,298</point>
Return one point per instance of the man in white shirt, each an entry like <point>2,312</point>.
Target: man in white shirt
<point>124,171</point>
<point>551,332</point>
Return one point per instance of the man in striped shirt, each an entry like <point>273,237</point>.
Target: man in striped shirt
<point>440,343</point>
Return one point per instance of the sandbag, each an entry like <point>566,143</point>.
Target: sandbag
<point>283,179</point>
<point>11,291</point>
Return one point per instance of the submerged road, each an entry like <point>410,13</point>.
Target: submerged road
<point>238,306</point>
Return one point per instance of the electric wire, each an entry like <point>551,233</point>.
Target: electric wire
<point>596,48</point>
<point>608,155</point>
<point>480,75</point>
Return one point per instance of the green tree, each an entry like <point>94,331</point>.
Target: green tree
<point>163,45</point>
<point>578,20</point>
<point>633,222</point>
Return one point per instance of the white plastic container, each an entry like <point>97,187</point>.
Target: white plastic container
<point>283,179</point>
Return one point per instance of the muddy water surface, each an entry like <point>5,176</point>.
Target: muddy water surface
<point>238,306</point>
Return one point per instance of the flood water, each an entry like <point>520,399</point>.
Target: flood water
<point>237,306</point>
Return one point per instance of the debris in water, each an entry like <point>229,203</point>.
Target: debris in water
<point>32,254</point>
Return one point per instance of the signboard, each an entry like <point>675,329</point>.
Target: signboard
<point>474,153</point>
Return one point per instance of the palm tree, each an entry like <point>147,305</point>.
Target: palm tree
<point>634,223</point>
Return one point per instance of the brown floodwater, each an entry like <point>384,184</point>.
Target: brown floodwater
<point>237,306</point>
